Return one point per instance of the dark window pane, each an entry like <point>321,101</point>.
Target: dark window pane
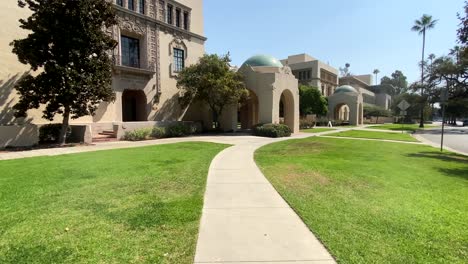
<point>130,52</point>
<point>178,60</point>
<point>186,20</point>
<point>141,7</point>
<point>119,2</point>
<point>131,5</point>
<point>177,17</point>
<point>169,14</point>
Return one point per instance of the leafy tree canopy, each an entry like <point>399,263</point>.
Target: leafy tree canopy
<point>68,44</point>
<point>212,81</point>
<point>397,81</point>
<point>311,101</point>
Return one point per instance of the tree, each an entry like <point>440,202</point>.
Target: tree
<point>213,82</point>
<point>376,111</point>
<point>397,81</point>
<point>68,44</point>
<point>376,72</point>
<point>345,71</point>
<point>421,26</point>
<point>311,101</point>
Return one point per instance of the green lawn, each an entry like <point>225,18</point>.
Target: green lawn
<point>375,135</point>
<point>400,127</point>
<point>317,130</point>
<point>140,205</point>
<point>375,202</point>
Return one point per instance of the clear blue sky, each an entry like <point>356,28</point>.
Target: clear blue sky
<point>368,34</point>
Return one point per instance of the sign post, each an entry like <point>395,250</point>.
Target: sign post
<point>403,105</point>
<point>443,99</point>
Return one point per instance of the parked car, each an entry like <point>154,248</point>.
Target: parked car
<point>465,122</point>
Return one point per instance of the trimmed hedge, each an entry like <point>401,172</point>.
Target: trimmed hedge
<point>272,130</point>
<point>178,130</point>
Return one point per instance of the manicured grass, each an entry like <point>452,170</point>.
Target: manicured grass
<point>375,202</point>
<point>401,127</point>
<point>317,130</point>
<point>140,205</point>
<point>375,135</point>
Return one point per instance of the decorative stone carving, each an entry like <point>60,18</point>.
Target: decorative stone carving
<point>287,70</point>
<point>132,23</point>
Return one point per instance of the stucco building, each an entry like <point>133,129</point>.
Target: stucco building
<point>157,38</point>
<point>313,72</point>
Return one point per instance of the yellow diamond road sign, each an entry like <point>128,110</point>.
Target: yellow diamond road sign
<point>403,105</point>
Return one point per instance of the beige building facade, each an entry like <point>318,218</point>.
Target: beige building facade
<point>157,38</point>
<point>313,72</point>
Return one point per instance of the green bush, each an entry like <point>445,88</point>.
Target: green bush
<point>305,123</point>
<point>50,133</point>
<point>158,132</point>
<point>181,130</point>
<point>138,134</point>
<point>272,130</point>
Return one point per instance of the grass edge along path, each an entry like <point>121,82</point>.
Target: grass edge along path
<point>375,135</point>
<point>372,201</point>
<point>133,205</point>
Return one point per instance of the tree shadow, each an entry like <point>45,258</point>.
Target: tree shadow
<point>36,254</point>
<point>169,111</point>
<point>460,172</point>
<point>8,100</point>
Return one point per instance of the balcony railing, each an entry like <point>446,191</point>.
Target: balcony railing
<point>132,65</point>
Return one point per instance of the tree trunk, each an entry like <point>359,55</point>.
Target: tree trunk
<point>63,132</point>
<point>421,122</point>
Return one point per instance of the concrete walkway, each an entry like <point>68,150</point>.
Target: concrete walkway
<point>245,220</point>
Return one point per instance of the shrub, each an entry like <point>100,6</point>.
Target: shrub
<point>181,130</point>
<point>138,134</point>
<point>158,132</point>
<point>305,123</point>
<point>272,130</point>
<point>50,133</point>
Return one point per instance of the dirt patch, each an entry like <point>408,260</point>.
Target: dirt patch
<point>292,176</point>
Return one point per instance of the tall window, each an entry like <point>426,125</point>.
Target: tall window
<point>177,17</point>
<point>178,60</point>
<point>308,75</point>
<point>141,6</point>
<point>170,9</point>
<point>131,5</point>
<point>130,52</point>
<point>119,2</point>
<point>186,20</point>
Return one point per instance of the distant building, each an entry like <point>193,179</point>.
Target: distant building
<point>310,71</point>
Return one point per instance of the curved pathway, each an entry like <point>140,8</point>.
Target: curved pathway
<point>245,220</point>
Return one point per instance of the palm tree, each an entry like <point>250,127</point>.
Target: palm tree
<point>421,26</point>
<point>376,72</point>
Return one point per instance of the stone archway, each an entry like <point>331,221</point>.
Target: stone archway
<point>248,112</point>
<point>287,109</point>
<point>341,112</point>
<point>134,106</point>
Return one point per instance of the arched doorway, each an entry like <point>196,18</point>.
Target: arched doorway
<point>342,112</point>
<point>134,106</point>
<point>286,108</point>
<point>248,112</point>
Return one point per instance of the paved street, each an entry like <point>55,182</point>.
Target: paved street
<point>455,138</point>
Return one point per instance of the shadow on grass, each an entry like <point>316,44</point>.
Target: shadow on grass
<point>447,157</point>
<point>36,254</point>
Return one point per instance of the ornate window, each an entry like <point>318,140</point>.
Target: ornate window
<point>186,20</point>
<point>170,9</point>
<point>119,2</point>
<point>179,57</point>
<point>177,17</point>
<point>130,52</point>
<point>141,6</point>
<point>131,5</point>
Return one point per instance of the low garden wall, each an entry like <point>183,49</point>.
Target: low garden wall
<point>121,128</point>
<point>19,135</point>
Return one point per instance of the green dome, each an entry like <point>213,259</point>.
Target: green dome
<point>263,61</point>
<point>345,89</point>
